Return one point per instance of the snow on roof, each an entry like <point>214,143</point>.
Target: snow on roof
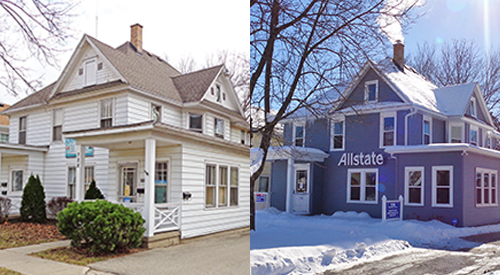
<point>372,106</point>
<point>416,88</point>
<point>452,100</point>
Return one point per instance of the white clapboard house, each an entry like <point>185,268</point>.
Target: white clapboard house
<point>173,146</point>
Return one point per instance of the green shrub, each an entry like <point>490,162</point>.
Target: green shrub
<point>33,202</point>
<point>101,226</point>
<point>93,192</point>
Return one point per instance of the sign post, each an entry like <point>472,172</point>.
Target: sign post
<point>392,210</point>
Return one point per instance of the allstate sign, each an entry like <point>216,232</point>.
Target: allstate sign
<point>352,159</point>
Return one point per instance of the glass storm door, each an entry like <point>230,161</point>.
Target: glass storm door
<point>301,193</point>
<point>128,178</point>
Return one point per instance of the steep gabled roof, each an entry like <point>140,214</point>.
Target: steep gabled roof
<point>35,98</point>
<point>193,86</point>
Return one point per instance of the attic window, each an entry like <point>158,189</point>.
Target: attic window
<point>217,93</point>
<point>472,107</point>
<point>99,66</point>
<point>212,91</point>
<point>371,91</point>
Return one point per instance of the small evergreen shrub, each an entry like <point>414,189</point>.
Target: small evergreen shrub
<point>56,205</point>
<point>33,201</point>
<point>101,226</point>
<point>93,192</point>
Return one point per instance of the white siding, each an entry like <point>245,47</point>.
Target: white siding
<point>196,220</point>
<point>120,115</point>
<point>13,129</point>
<point>231,99</point>
<point>81,115</point>
<point>38,127</point>
<point>172,115</point>
<point>235,135</point>
<point>137,109</point>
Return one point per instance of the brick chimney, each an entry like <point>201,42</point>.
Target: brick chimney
<point>136,37</point>
<point>399,55</point>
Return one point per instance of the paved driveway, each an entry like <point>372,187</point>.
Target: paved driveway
<point>221,254</point>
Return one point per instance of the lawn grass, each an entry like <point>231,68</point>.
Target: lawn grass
<point>71,255</point>
<point>5,271</point>
<point>16,233</point>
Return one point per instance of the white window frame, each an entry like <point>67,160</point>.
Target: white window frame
<point>54,125</point>
<point>113,112</point>
<point>70,186</point>
<point>202,122</point>
<point>333,135</point>
<point>302,167</point>
<point>362,196</point>
<point>24,180</point>
<point>472,104</point>
<point>409,169</point>
<point>151,108</point>
<point>424,119</point>
<point>382,131</point>
<point>216,186</point>
<point>434,185</point>
<point>490,187</point>
<point>367,84</point>
<point>223,134</point>
<point>231,187</point>
<point>450,132</point>
<point>476,129</point>
<point>4,137</point>
<point>294,130</point>
<point>169,172</point>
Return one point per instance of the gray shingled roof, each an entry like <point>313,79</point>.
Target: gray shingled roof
<point>146,72</point>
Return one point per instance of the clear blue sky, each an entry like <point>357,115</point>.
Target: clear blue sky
<point>448,19</point>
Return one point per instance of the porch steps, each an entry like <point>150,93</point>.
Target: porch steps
<point>164,239</point>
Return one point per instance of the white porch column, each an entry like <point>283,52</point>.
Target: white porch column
<point>80,172</point>
<point>289,185</point>
<point>149,184</point>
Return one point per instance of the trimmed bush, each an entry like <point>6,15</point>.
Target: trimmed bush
<point>33,202</point>
<point>101,226</point>
<point>93,192</point>
<point>56,205</point>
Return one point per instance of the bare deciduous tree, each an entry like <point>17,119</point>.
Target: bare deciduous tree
<point>30,29</point>
<point>301,49</point>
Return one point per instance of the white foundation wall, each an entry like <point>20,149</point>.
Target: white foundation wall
<point>198,220</point>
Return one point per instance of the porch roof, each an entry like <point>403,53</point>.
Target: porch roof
<point>296,153</point>
<point>22,147</point>
<point>127,134</point>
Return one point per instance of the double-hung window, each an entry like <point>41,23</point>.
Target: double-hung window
<point>414,185</point>
<point>57,121</point>
<point>371,91</point>
<point>196,122</point>
<point>473,135</point>
<point>442,186</point>
<point>338,135</point>
<point>210,185</point>
<point>387,129</point>
<point>107,113</point>
<point>22,130</point>
<point>362,185</point>
<point>426,131</point>
<point>298,135</point>
<point>456,134</point>
<point>219,127</point>
<point>221,186</point>
<point>486,187</point>
<point>17,180</point>
<point>4,137</point>
<point>161,182</point>
<point>234,186</point>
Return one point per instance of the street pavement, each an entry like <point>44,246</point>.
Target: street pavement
<point>482,259</point>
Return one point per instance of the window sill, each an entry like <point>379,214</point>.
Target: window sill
<point>486,205</point>
<point>363,202</point>
<point>414,204</point>
<point>443,205</point>
<point>221,208</point>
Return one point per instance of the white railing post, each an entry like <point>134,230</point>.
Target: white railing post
<point>400,207</point>
<point>149,190</point>
<point>384,205</point>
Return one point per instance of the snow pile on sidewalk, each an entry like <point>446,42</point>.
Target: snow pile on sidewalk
<point>289,244</point>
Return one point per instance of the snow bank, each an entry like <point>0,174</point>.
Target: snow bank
<point>290,244</point>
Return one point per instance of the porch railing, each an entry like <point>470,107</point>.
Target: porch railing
<point>167,217</point>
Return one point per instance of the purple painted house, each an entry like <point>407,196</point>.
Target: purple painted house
<point>393,134</point>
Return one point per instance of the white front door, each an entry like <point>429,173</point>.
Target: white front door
<point>128,183</point>
<point>301,191</point>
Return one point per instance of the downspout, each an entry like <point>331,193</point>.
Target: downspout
<point>407,116</point>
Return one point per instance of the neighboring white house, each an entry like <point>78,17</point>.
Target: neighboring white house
<point>173,146</point>
<point>4,124</point>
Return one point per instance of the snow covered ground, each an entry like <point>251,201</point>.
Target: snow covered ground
<point>289,244</point>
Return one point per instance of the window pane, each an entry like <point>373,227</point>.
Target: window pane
<point>371,178</point>
<point>355,179</point>
<point>107,108</point>
<point>370,193</point>
<point>339,128</point>
<point>493,196</point>
<point>299,131</point>
<point>478,179</point>
<point>493,180</point>
<point>195,122</point>
<point>479,196</point>
<point>222,176</point>
<point>234,196</point>
<point>234,176</point>
<point>263,184</point>
<point>58,117</point>
<point>388,138</point>
<point>388,123</point>
<point>106,123</point>
<point>355,193</point>
<point>219,128</point>
<point>338,142</point>
<point>486,180</point>
<point>443,178</point>
<point>372,92</point>
<point>17,180</point>
<point>299,142</point>
<point>57,133</point>
<point>473,136</point>
<point>301,181</point>
<point>415,195</point>
<point>456,134</point>
<point>22,123</point>
<point>160,194</point>
<point>427,139</point>
<point>427,128</point>
<point>443,196</point>
<point>486,196</point>
<point>210,196</point>
<point>415,178</point>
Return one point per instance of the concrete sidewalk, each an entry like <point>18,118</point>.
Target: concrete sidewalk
<point>17,259</point>
<point>224,253</point>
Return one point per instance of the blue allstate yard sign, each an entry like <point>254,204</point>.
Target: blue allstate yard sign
<point>392,210</point>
